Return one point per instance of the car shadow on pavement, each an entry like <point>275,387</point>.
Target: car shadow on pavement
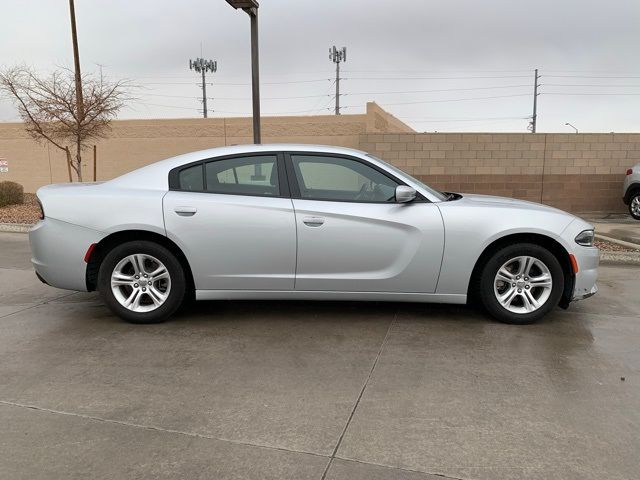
<point>342,310</point>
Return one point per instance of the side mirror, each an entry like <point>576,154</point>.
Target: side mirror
<point>405,194</point>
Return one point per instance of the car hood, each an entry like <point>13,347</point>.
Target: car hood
<point>492,201</point>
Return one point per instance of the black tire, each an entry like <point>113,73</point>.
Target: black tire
<point>173,266</point>
<point>502,256</point>
<point>635,195</point>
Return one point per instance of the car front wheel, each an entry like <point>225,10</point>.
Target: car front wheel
<point>141,282</point>
<point>634,205</point>
<point>521,283</point>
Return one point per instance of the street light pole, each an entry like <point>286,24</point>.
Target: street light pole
<point>251,8</point>
<point>569,125</point>
<point>255,76</point>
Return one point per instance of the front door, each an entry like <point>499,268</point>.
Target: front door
<point>233,219</point>
<point>353,236</point>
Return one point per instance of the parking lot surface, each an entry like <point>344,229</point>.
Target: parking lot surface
<point>275,390</point>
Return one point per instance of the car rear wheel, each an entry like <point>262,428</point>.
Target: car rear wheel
<point>521,283</point>
<point>141,282</point>
<point>634,205</point>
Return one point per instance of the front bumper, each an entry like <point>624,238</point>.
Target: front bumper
<point>58,250</point>
<point>588,259</point>
<point>593,291</point>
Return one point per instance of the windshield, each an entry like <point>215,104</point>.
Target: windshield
<point>439,195</point>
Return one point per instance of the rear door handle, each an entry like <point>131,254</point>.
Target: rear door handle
<point>185,211</point>
<point>313,221</point>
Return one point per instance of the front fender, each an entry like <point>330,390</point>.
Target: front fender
<point>470,229</point>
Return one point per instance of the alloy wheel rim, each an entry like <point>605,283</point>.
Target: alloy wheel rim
<point>140,283</point>
<point>523,284</point>
<point>635,206</point>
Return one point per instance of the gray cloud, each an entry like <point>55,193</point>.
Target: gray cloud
<point>151,42</point>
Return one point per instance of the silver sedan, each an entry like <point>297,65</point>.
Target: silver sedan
<point>305,222</point>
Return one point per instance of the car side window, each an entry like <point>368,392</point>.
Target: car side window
<point>341,179</point>
<point>252,175</point>
<point>191,179</point>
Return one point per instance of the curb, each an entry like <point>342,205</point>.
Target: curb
<point>619,258</point>
<point>15,227</point>
<point>623,243</point>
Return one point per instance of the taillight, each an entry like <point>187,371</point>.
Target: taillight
<point>41,208</point>
<point>629,171</point>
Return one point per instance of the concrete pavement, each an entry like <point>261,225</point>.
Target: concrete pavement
<point>301,390</point>
<point>619,226</point>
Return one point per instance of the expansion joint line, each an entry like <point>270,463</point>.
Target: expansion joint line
<point>362,390</point>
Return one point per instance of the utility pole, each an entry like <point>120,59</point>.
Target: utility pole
<point>338,56</point>
<point>534,118</point>
<point>78,81</point>
<point>76,61</point>
<point>202,66</point>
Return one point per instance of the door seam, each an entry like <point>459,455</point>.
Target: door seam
<point>295,223</point>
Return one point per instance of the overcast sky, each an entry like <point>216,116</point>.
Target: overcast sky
<point>588,53</point>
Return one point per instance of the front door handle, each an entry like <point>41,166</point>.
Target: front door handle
<point>185,211</point>
<point>313,221</point>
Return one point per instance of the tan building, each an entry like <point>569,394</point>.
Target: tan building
<point>576,172</point>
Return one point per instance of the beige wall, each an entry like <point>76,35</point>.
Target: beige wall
<point>134,143</point>
<point>576,172</point>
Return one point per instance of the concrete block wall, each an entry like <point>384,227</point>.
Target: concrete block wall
<point>134,143</point>
<point>575,172</point>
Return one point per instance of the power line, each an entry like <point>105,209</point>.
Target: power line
<point>438,72</point>
<point>242,84</point>
<point>235,98</point>
<point>589,85</point>
<point>599,94</point>
<point>400,92</point>
<point>224,111</point>
<point>435,78</point>
<point>457,99</point>
<point>436,90</point>
<point>448,120</point>
<point>589,76</point>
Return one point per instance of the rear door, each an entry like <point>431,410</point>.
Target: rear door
<point>353,236</point>
<point>233,219</point>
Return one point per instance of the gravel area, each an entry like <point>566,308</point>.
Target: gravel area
<point>612,247</point>
<point>28,212</point>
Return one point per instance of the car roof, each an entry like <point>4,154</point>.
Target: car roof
<point>253,148</point>
<point>154,175</point>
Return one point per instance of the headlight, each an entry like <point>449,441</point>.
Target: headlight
<point>585,238</point>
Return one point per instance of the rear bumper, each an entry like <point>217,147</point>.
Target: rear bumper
<point>58,250</point>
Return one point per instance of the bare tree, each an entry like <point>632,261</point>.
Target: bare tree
<point>48,107</point>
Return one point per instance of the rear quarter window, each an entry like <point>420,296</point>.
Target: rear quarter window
<point>191,179</point>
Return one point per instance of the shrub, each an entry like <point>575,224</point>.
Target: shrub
<point>11,193</point>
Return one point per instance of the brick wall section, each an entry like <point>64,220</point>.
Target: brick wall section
<point>575,172</point>
<point>134,143</point>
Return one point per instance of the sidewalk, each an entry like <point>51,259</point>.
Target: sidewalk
<point>618,226</point>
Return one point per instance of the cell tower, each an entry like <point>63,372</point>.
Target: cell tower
<point>337,57</point>
<point>203,66</point>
